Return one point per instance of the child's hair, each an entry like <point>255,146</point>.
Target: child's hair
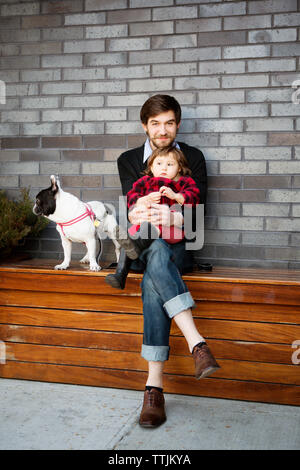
<point>163,152</point>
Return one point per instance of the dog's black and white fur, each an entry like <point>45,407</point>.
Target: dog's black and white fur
<point>62,207</point>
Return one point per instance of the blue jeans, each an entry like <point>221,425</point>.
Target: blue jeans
<point>164,294</point>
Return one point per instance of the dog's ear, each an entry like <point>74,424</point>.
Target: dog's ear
<point>54,184</point>
<point>107,209</point>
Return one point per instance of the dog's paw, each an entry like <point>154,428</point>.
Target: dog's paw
<point>61,266</point>
<point>85,259</point>
<point>95,267</point>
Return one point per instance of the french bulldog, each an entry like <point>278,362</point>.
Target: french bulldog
<point>76,221</point>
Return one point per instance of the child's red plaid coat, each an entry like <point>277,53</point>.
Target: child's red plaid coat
<point>148,184</point>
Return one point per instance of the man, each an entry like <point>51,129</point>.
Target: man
<point>164,294</point>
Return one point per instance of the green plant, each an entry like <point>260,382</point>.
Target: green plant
<point>17,221</point>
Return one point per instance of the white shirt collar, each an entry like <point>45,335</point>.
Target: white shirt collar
<point>148,150</point>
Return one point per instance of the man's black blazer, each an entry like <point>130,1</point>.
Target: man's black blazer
<point>130,166</point>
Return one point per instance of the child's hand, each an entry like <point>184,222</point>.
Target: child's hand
<point>168,192</point>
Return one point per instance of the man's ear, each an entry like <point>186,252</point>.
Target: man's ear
<point>144,127</point>
<point>178,125</point>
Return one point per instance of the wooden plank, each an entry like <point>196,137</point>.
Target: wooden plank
<point>209,387</point>
<point>239,292</point>
<point>216,329</point>
<point>223,310</point>
<point>234,389</point>
<point>72,319</point>
<point>250,351</point>
<point>71,337</point>
<point>219,290</point>
<point>132,304</point>
<point>219,273</point>
<point>58,281</point>
<point>224,349</point>
<point>248,275</point>
<point>69,301</point>
<point>245,311</point>
<point>248,331</point>
<point>126,360</point>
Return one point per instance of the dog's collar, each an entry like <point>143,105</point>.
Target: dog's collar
<point>88,213</point>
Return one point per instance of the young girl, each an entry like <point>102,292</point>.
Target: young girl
<point>166,181</point>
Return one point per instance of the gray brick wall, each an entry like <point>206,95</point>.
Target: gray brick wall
<point>77,72</point>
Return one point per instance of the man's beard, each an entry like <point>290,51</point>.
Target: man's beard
<point>161,144</point>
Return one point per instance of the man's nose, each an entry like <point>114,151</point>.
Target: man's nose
<point>162,129</point>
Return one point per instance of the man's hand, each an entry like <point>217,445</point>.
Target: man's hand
<point>156,214</point>
<point>161,215</point>
<point>147,200</point>
<point>154,197</point>
<point>139,214</point>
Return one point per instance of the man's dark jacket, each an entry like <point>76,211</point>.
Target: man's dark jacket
<point>130,166</point>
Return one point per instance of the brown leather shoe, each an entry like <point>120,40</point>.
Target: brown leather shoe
<point>153,411</point>
<point>205,363</point>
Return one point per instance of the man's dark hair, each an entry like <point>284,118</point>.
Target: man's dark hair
<point>158,104</point>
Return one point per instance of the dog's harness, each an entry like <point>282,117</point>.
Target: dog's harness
<point>88,213</point>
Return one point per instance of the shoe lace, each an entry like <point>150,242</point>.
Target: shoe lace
<point>152,398</point>
<point>200,351</point>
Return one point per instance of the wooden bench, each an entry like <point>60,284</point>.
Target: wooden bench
<point>71,327</point>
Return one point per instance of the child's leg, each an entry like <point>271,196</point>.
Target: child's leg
<point>131,249</point>
<point>124,239</point>
<point>118,279</point>
<point>134,246</point>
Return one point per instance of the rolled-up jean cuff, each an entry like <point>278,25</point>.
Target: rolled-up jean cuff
<point>178,304</point>
<point>155,353</point>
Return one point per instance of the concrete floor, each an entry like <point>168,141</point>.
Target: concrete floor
<point>48,416</point>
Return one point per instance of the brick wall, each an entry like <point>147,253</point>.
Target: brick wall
<point>77,72</point>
